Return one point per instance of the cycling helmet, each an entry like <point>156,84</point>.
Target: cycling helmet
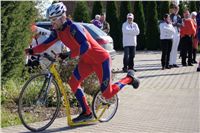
<point>56,10</point>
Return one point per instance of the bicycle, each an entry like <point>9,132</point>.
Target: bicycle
<point>42,94</point>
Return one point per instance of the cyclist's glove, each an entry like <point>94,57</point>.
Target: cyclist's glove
<point>29,51</point>
<point>64,55</point>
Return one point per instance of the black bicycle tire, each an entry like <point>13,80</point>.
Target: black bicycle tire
<point>93,108</point>
<point>55,113</point>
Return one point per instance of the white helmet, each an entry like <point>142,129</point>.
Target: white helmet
<point>56,10</point>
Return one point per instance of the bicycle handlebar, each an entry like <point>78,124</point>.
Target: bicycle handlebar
<point>46,55</point>
<point>49,57</point>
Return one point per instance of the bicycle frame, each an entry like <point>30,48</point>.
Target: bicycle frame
<point>66,100</point>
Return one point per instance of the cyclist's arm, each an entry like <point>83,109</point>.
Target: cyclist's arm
<point>47,43</point>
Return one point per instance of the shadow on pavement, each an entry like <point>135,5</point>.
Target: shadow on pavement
<point>55,130</point>
<point>160,75</point>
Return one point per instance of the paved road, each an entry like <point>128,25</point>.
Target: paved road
<point>167,101</point>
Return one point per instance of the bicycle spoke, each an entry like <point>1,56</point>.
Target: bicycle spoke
<point>103,108</point>
<point>39,101</point>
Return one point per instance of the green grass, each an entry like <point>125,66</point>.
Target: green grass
<point>9,118</point>
<point>11,89</point>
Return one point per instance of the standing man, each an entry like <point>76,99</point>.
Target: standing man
<point>177,23</point>
<point>130,31</point>
<point>198,25</point>
<point>105,24</point>
<point>187,31</point>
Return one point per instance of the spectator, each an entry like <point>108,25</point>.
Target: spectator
<point>105,24</point>
<point>194,39</point>
<point>130,31</point>
<point>96,21</point>
<point>187,31</point>
<point>177,23</point>
<point>166,35</point>
<point>198,24</point>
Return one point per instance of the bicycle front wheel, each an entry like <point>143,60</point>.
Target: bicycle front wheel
<point>104,109</point>
<point>39,102</point>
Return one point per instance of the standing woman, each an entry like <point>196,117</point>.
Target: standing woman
<point>194,39</point>
<point>187,31</point>
<point>166,35</point>
<point>177,23</point>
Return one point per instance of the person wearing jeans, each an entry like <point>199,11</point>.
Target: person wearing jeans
<point>129,55</point>
<point>130,31</point>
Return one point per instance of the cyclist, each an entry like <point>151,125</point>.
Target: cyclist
<point>93,58</point>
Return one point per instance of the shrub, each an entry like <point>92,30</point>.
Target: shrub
<point>90,84</point>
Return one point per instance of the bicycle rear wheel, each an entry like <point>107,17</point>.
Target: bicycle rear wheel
<point>39,102</point>
<point>99,104</point>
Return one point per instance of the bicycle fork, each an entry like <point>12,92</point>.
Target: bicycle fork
<point>45,90</point>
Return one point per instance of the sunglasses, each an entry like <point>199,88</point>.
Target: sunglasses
<point>55,18</point>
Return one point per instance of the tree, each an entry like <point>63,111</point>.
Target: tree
<point>198,5</point>
<point>163,8</point>
<point>97,8</point>
<point>140,20</point>
<point>152,34</point>
<point>111,13</point>
<point>192,6</point>
<point>182,7</point>
<point>16,35</point>
<point>81,13</point>
<point>125,8</point>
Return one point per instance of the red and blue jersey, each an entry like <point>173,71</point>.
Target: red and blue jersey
<point>78,40</point>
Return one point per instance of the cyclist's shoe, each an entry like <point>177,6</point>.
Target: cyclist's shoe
<point>83,117</point>
<point>135,83</point>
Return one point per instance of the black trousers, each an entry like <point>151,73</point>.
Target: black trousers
<point>166,45</point>
<point>129,54</point>
<point>194,54</point>
<point>186,49</point>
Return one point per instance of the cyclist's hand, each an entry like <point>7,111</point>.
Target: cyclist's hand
<point>64,55</point>
<point>29,51</point>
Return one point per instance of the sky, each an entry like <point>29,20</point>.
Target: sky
<point>42,6</point>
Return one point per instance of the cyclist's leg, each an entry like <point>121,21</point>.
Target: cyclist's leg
<point>81,71</point>
<point>104,74</point>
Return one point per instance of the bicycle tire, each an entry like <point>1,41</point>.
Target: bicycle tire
<point>95,105</point>
<point>31,103</point>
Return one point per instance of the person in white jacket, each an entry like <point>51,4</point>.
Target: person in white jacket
<point>177,23</point>
<point>130,31</point>
<point>166,35</point>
